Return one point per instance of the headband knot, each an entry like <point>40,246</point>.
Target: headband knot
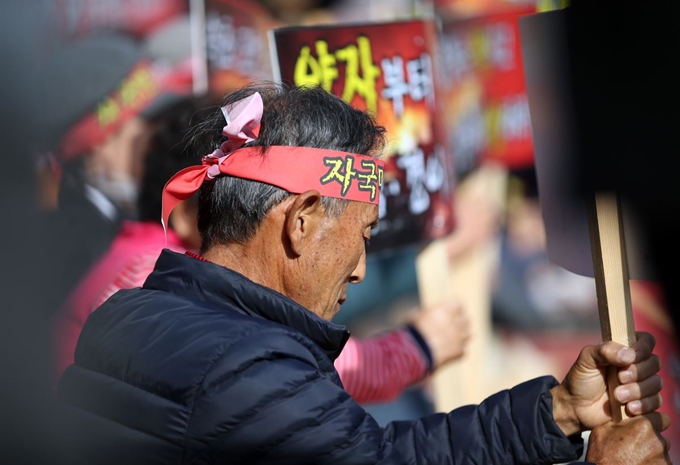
<point>243,126</point>
<point>213,162</point>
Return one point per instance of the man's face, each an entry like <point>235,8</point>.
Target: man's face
<point>116,165</point>
<point>336,259</point>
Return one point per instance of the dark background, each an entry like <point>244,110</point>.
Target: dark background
<point>623,58</point>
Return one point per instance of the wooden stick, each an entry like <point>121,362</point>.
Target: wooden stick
<point>612,284</point>
<point>432,269</point>
<point>467,278</point>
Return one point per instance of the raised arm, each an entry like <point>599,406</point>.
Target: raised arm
<point>378,369</point>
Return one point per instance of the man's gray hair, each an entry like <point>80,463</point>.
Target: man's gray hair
<point>231,209</point>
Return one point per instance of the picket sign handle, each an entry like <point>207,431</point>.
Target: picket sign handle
<point>612,284</point>
<point>467,278</point>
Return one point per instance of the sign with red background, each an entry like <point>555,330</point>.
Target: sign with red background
<point>482,81</point>
<point>236,43</point>
<point>386,69</point>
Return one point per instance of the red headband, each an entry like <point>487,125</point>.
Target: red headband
<point>135,92</point>
<point>295,169</point>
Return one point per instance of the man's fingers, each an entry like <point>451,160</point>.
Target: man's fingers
<point>640,371</point>
<point>645,405</point>
<point>644,345</point>
<point>639,390</point>
<point>613,353</point>
<point>609,353</point>
<point>660,421</point>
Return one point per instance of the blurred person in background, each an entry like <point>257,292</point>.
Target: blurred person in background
<point>135,248</point>
<point>531,293</point>
<point>106,95</point>
<point>389,294</point>
<point>375,369</point>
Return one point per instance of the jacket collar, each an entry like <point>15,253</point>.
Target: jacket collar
<point>202,280</point>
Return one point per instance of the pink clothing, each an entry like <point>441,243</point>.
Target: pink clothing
<point>377,369</point>
<point>126,264</point>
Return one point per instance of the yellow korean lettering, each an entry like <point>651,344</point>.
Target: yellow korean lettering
<point>139,85</point>
<point>328,65</point>
<point>307,70</point>
<point>108,112</point>
<point>364,83</point>
<point>350,174</point>
<point>335,172</point>
<point>493,116</point>
<point>368,179</point>
<point>311,71</point>
<point>479,48</point>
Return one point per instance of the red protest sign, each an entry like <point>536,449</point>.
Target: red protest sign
<point>486,108</point>
<point>236,48</point>
<point>386,69</point>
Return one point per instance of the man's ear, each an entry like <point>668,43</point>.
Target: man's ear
<point>302,220</point>
<point>183,220</point>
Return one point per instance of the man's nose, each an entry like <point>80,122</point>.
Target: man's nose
<point>359,272</point>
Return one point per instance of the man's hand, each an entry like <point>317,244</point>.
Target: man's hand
<point>477,221</point>
<point>446,330</point>
<point>581,402</point>
<point>635,441</point>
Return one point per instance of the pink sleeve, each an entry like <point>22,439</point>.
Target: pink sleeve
<point>378,369</point>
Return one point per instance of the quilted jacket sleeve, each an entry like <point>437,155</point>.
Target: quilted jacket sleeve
<point>289,412</point>
<point>513,426</point>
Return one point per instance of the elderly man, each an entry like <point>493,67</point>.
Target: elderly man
<point>227,356</point>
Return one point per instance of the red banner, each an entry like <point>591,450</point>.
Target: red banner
<point>386,69</point>
<point>486,109</point>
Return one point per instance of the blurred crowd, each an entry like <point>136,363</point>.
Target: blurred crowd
<point>102,118</point>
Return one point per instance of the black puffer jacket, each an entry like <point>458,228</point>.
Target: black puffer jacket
<point>202,365</point>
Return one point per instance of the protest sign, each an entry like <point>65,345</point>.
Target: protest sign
<point>482,84</point>
<point>231,39</point>
<point>594,233</point>
<point>386,69</point>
